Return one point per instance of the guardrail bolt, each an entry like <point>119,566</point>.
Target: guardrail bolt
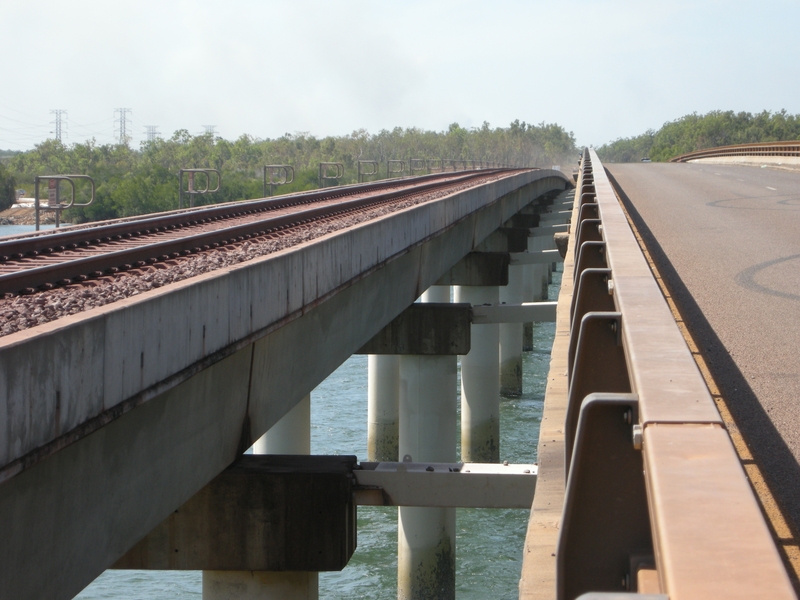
<point>610,287</point>
<point>637,437</point>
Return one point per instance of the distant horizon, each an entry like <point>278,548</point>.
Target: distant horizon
<point>135,145</point>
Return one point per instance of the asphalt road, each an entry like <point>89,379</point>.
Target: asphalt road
<point>726,239</point>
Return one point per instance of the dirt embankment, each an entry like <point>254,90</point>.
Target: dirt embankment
<point>24,216</point>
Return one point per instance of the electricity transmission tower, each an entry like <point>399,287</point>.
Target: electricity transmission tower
<point>123,124</point>
<point>152,132</point>
<point>210,129</point>
<point>58,112</point>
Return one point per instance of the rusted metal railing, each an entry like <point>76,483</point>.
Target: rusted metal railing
<point>275,175</point>
<point>656,499</point>
<point>54,203</point>
<point>330,171</point>
<point>743,150</point>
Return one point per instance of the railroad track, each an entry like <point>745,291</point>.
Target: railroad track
<point>47,260</point>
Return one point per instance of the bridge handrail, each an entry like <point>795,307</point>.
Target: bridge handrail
<point>757,149</point>
<point>709,538</point>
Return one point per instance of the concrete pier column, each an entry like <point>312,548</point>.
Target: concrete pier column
<point>383,397</point>
<point>426,537</point>
<point>534,289</point>
<point>259,585</point>
<point>541,272</point>
<point>290,435</point>
<point>480,383</point>
<point>511,336</point>
<point>527,296</point>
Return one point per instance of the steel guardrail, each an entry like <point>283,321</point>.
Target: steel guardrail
<point>656,499</point>
<point>759,149</point>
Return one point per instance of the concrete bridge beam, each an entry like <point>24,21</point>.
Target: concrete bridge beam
<point>264,513</point>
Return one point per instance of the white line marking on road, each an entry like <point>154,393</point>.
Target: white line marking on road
<point>720,174</point>
<point>773,189</point>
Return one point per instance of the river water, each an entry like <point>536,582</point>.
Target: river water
<point>15,229</point>
<point>488,541</point>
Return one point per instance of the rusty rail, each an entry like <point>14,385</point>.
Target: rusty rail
<point>656,500</point>
<point>28,264</point>
<point>743,150</point>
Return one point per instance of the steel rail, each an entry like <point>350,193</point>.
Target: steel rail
<point>656,499</point>
<point>759,149</point>
<point>79,268</point>
<point>48,241</point>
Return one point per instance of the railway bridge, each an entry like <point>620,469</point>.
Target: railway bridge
<point>124,420</point>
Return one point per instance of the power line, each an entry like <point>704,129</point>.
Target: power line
<point>58,112</point>
<point>123,124</point>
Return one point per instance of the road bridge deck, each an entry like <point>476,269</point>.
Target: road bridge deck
<point>725,240</point>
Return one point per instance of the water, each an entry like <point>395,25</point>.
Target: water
<point>489,542</point>
<point>15,229</point>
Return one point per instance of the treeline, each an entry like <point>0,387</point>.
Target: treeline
<point>145,180</point>
<point>8,186</point>
<point>697,132</point>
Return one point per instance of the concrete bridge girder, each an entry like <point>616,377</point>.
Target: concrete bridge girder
<point>141,403</point>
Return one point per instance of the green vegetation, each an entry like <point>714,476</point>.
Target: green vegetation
<point>8,188</point>
<point>697,132</point>
<point>131,182</point>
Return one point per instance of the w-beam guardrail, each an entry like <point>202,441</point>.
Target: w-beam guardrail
<point>743,150</point>
<point>656,499</point>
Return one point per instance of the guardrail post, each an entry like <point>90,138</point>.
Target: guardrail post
<point>605,539</point>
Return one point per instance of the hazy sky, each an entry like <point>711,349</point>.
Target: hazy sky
<point>602,69</point>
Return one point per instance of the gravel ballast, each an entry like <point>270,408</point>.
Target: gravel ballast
<point>25,311</point>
